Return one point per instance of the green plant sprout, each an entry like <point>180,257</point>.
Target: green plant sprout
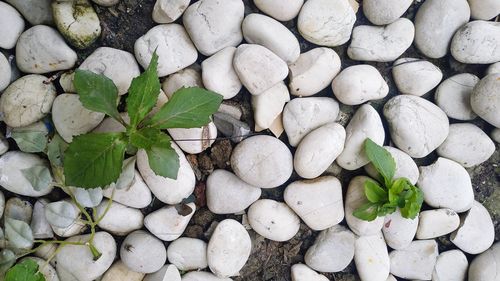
<point>387,194</point>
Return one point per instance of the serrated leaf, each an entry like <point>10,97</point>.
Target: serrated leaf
<point>88,198</point>
<point>7,260</point>
<point>27,270</point>
<point>367,211</point>
<point>31,142</point>
<point>18,233</point>
<point>381,159</point>
<point>188,108</point>
<point>374,192</point>
<point>97,92</point>
<point>94,160</point>
<point>60,214</point>
<point>396,188</point>
<point>55,150</point>
<point>163,159</point>
<point>413,203</point>
<point>39,176</point>
<point>145,138</point>
<point>127,176</point>
<point>143,93</point>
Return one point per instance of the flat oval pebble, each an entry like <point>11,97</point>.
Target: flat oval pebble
<point>273,220</point>
<point>27,100</point>
<point>142,252</point>
<point>332,251</point>
<point>326,22</point>
<point>281,10</point>
<point>303,115</point>
<point>173,46</point>
<point>418,139</point>
<point>435,223</point>
<point>11,26</point>
<point>167,273</point>
<point>268,32</point>
<point>228,194</point>
<point>5,71</point>
<point>446,184</point>
<point>167,223</point>
<point>485,100</point>
<point>118,219</point>
<point>262,161</point>
<point>365,123</point>
<point>358,84</point>
<point>484,9</point>
<point>382,12</point>
<point>477,42</point>
<point>415,76</point>
<point>202,276</point>
<point>34,11</point>
<point>435,23</point>
<point>228,249</point>
<point>450,266</point>
<point>371,258</point>
<point>168,11</point>
<point>453,96</point>
<point>136,196</point>
<point>405,166</point>
<point>301,272</point>
<point>318,149</point>
<point>219,75</point>
<point>476,232</point>
<point>214,24</point>
<point>486,265</point>
<point>399,231</point>
<point>258,68</point>
<point>119,271</point>
<point>381,43</point>
<point>416,261</point>
<point>188,254</point>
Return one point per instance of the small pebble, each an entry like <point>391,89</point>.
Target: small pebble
<point>301,272</point>
<point>167,223</point>
<point>358,84</point>
<point>281,10</point>
<point>435,223</point>
<point>168,11</point>
<point>399,231</point>
<point>485,99</point>
<point>273,220</point>
<point>382,12</point>
<point>415,77</point>
<point>371,258</point>
<point>477,43</point>
<point>188,254</point>
<point>453,96</point>
<point>142,252</point>
<point>486,266</point>
<point>416,261</point>
<point>219,75</point>
<point>11,26</point>
<point>269,105</point>
<point>450,266</point>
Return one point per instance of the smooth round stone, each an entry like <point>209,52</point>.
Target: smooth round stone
<point>399,231</point>
<point>269,105</point>
<point>416,261</point>
<point>34,11</point>
<point>167,273</point>
<point>39,224</point>
<point>303,115</point>
<point>365,123</point>
<point>355,197</point>
<point>485,99</point>
<point>168,11</point>
<point>71,118</point>
<point>301,272</point>
<point>495,135</point>
<point>486,266</point>
<point>219,75</point>
<point>142,252</point>
<point>477,43</point>
<point>446,184</point>
<point>318,149</point>
<point>476,232</point>
<point>167,224</point>
<point>493,68</point>
<point>453,96</point>
<point>467,144</point>
<point>202,276</point>
<point>332,251</point>
<point>382,12</point>
<point>326,22</point>
<point>450,266</point>
<point>281,10</point>
<point>5,70</point>
<point>77,227</point>
<point>48,272</point>
<point>435,23</point>
<point>484,9</point>
<point>418,139</point>
<point>228,249</point>
<point>119,271</point>
<point>119,219</point>
<point>169,191</point>
<point>172,44</point>
<point>317,202</point>
<point>136,196</point>
<point>214,24</point>
<point>188,254</point>
<point>42,49</point>
<point>415,76</point>
<point>106,3</point>
<point>11,26</point>
<point>273,220</point>
<point>258,68</point>
<point>119,66</point>
<point>405,166</point>
<point>11,177</point>
<point>262,161</point>
<point>66,82</point>
<point>358,84</point>
<point>27,100</point>
<point>435,223</point>
<point>268,32</point>
<point>187,77</point>
<point>18,209</point>
<point>371,258</point>
<point>86,269</point>
<point>313,71</point>
<point>227,194</point>
<point>381,43</point>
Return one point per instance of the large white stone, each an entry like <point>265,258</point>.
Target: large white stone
<point>477,43</point>
<point>358,84</point>
<point>405,166</point>
<point>486,266</point>
<point>399,231</point>
<point>136,196</point>
<point>219,75</point>
<point>416,261</point>
<point>118,219</point>
<point>415,76</point>
<point>301,272</point>
<point>273,220</point>
<point>484,9</point>
<point>35,11</point>
<point>371,258</point>
<point>450,266</point>
<point>11,26</point>
<point>381,12</point>
<point>485,100</point>
<point>168,11</point>
<point>269,105</point>
<point>453,96</point>
<point>188,254</point>
<point>167,224</point>
<point>142,252</point>
<point>281,10</point>
<point>435,223</point>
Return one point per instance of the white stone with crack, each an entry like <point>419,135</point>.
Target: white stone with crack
<point>382,12</point>
<point>453,96</point>
<point>477,43</point>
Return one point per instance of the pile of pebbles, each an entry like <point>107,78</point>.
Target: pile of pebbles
<point>258,52</point>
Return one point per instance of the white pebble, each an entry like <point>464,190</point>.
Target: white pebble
<point>484,9</point>
<point>167,223</point>
<point>381,12</point>
<point>142,252</point>
<point>168,11</point>
<point>453,96</point>
<point>415,77</point>
<point>188,254</point>
<point>11,26</point>
<point>371,258</point>
<point>450,266</point>
<point>301,272</point>
<point>477,43</point>
<point>273,220</point>
<point>416,261</point>
<point>399,231</point>
<point>5,71</point>
<point>358,84</point>
<point>486,266</point>
<point>119,271</point>
<point>219,75</point>
<point>35,11</point>
<point>136,196</point>
<point>405,166</point>
<point>167,273</point>
<point>119,219</point>
<point>435,223</point>
<point>269,105</point>
<point>281,10</point>
<point>485,100</point>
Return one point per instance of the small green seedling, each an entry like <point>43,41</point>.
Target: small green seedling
<point>387,194</point>
<point>95,159</point>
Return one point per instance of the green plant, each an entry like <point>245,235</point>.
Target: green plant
<point>95,159</point>
<point>26,270</point>
<point>387,194</point>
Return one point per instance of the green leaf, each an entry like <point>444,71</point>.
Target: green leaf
<point>27,270</point>
<point>396,188</point>
<point>188,108</point>
<point>127,176</point>
<point>374,192</point>
<point>18,233</point>
<point>97,92</point>
<point>145,138</point>
<point>381,159</point>
<point>30,141</point>
<point>162,158</point>
<point>55,150</point>
<point>39,176</point>
<point>413,203</point>
<point>367,211</point>
<point>94,160</point>
<point>143,93</point>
